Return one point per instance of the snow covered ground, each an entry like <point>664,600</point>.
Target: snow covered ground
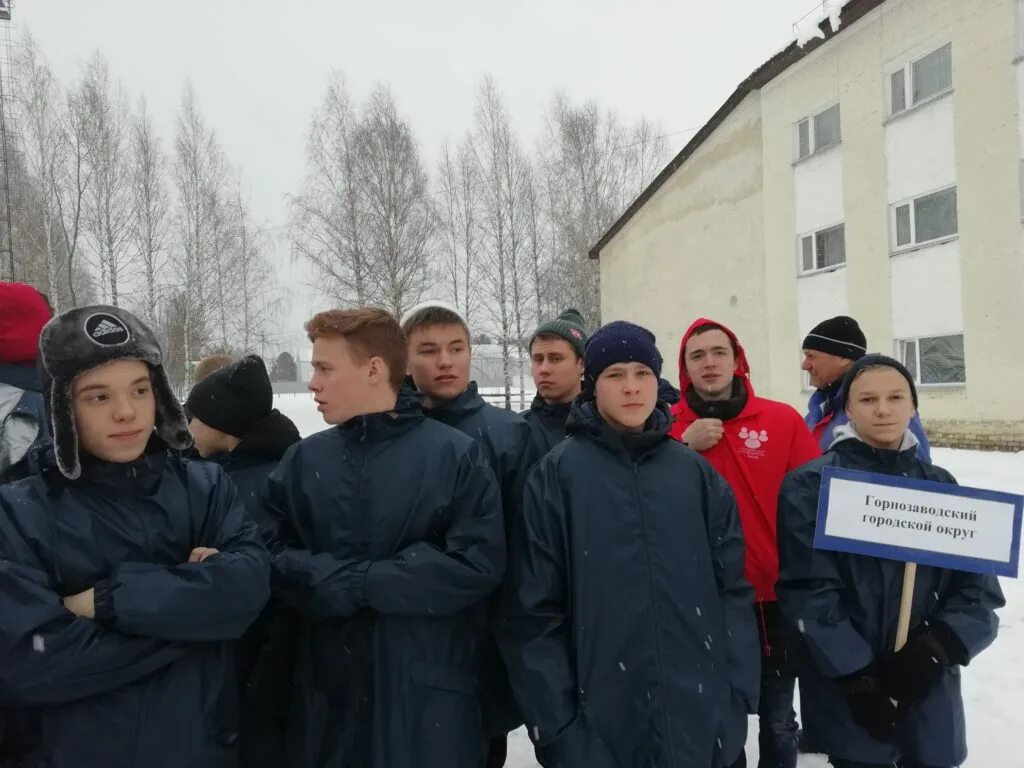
<point>993,684</point>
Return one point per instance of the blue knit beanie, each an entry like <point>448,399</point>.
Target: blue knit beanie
<point>620,342</point>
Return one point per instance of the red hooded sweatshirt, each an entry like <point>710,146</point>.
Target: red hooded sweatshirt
<point>764,442</point>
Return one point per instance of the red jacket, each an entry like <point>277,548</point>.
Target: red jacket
<point>767,440</point>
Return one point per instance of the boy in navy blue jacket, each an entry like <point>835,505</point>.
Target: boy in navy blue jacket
<point>128,572</point>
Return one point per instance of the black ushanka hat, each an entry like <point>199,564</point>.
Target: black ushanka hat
<point>85,338</point>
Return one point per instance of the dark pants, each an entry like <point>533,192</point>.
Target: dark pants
<point>778,732</point>
<point>835,761</point>
<point>497,751</point>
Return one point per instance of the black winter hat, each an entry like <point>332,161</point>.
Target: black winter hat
<point>569,326</point>
<point>874,360</point>
<point>233,398</point>
<point>85,338</point>
<point>840,336</point>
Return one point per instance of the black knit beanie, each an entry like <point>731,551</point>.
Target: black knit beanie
<point>620,342</point>
<point>840,336</point>
<point>874,360</point>
<point>234,398</point>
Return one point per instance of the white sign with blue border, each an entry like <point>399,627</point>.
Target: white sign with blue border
<point>919,521</point>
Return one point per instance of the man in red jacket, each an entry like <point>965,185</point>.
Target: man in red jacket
<point>752,442</point>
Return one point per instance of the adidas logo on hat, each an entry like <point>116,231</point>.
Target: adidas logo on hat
<point>106,330</point>
<point>105,327</point>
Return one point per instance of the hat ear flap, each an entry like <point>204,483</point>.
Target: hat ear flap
<point>170,417</point>
<point>65,433</point>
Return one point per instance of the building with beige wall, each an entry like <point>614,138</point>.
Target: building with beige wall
<point>875,173</point>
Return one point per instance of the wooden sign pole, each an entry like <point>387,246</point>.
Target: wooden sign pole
<point>906,603</point>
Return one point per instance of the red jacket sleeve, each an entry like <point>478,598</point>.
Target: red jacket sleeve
<point>803,445</point>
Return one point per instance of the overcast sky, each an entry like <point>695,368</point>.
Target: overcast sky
<point>259,67</point>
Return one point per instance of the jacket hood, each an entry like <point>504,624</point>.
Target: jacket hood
<point>849,431</point>
<point>455,410</point>
<point>373,427</point>
<point>271,436</point>
<point>586,420</point>
<point>553,411</point>
<point>742,366</point>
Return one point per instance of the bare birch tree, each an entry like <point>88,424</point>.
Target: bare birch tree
<point>460,181</point>
<point>72,179</point>
<point>491,145</point>
<point>150,208</point>
<point>327,223</point>
<point>400,216</point>
<point>108,209</point>
<point>257,301</point>
<point>596,166</point>
<point>44,150</point>
<point>198,173</point>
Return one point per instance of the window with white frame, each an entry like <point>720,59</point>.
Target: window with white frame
<point>921,79</point>
<point>934,359</point>
<point>925,219</point>
<point>823,249</point>
<point>818,132</point>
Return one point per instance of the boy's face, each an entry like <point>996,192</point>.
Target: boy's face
<point>342,384</point>
<point>557,370</point>
<point>439,361</point>
<point>626,395</point>
<point>881,406</point>
<point>115,410</point>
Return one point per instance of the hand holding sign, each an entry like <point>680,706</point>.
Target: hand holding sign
<point>918,521</point>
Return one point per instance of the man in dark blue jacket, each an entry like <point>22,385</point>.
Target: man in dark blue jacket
<point>830,349</point>
<point>863,704</point>
<point>556,361</point>
<point>440,357</point>
<point>128,571</point>
<point>234,424</point>
<point>628,631</point>
<point>389,544</point>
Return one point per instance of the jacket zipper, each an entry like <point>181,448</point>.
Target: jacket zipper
<point>654,607</point>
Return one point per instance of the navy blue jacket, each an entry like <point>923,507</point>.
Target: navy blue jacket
<point>266,654</point>
<point>848,607</point>
<point>506,441</point>
<point>547,425</point>
<point>150,681</point>
<point>390,543</point>
<point>628,631</point>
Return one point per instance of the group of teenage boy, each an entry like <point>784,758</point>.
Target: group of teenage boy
<point>626,568</point>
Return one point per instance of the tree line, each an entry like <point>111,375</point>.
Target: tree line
<point>499,229</point>
<point>104,210</point>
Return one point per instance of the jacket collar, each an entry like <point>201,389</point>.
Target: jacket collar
<point>586,421</point>
<point>849,443</point>
<point>378,427</point>
<point>459,408</point>
<point>556,413</point>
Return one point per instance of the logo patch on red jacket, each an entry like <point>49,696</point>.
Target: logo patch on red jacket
<point>754,440</point>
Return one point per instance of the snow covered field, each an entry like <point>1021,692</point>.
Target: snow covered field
<point>993,684</point>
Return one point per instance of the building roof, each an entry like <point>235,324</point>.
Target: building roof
<point>853,11</point>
